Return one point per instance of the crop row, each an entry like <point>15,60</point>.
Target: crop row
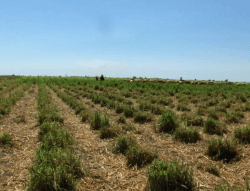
<point>56,166</point>
<point>7,103</point>
<point>9,85</point>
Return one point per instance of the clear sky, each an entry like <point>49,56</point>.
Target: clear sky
<point>192,39</point>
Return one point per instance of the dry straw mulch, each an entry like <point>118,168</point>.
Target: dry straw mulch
<point>15,160</point>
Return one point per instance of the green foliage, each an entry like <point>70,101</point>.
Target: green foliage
<point>164,176</point>
<point>212,102</point>
<point>187,135</point>
<point>241,96</point>
<point>47,127</point>
<point>55,169</point>
<point>119,108</point>
<point>121,119</point>
<point>85,116</point>
<point>142,117</point>
<point>168,122</point>
<point>140,156</point>
<point>57,137</point>
<point>156,109</point>
<point>128,127</point>
<point>107,132</point>
<point>123,143</point>
<point>220,149</point>
<point>213,127</point>
<point>129,111</point>
<point>213,114</point>
<point>234,117</point>
<point>99,122</point>
<point>243,134</point>
<point>201,110</point>
<point>183,106</point>
<point>165,101</point>
<point>79,109</point>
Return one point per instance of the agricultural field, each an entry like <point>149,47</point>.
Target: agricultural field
<point>78,133</point>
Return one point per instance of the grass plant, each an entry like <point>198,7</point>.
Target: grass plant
<point>123,143</point>
<point>163,176</point>
<point>140,156</point>
<point>219,149</point>
<point>243,134</point>
<point>186,134</point>
<point>213,127</point>
<point>142,117</point>
<point>168,122</point>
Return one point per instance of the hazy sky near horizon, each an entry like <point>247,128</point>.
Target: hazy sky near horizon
<point>192,39</point>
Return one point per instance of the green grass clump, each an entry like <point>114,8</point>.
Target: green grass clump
<point>5,139</point>
<point>197,120</point>
<point>128,127</point>
<point>107,132</point>
<point>168,122</point>
<point>99,122</point>
<point>235,117</point>
<point>84,116</point>
<point>186,118</point>
<point>243,134</point>
<point>156,109</point>
<point>129,111</point>
<point>123,143</point>
<point>165,101</point>
<point>79,109</point>
<point>183,106</point>
<point>241,96</point>
<point>121,119</point>
<point>192,119</point>
<point>142,117</point>
<point>213,127</point>
<point>213,114</point>
<point>111,105</point>
<point>47,116</point>
<point>119,108</point>
<point>57,137</point>
<point>212,102</point>
<point>164,176</point>
<point>220,149</point>
<point>140,156</point>
<point>201,110</point>
<point>220,108</point>
<point>104,102</point>
<point>55,169</point>
<point>47,127</point>
<point>187,135</point>
<point>144,106</point>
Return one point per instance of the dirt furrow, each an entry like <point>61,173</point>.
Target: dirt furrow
<point>107,170</point>
<point>21,124</point>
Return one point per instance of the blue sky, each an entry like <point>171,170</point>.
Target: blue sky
<point>192,39</point>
